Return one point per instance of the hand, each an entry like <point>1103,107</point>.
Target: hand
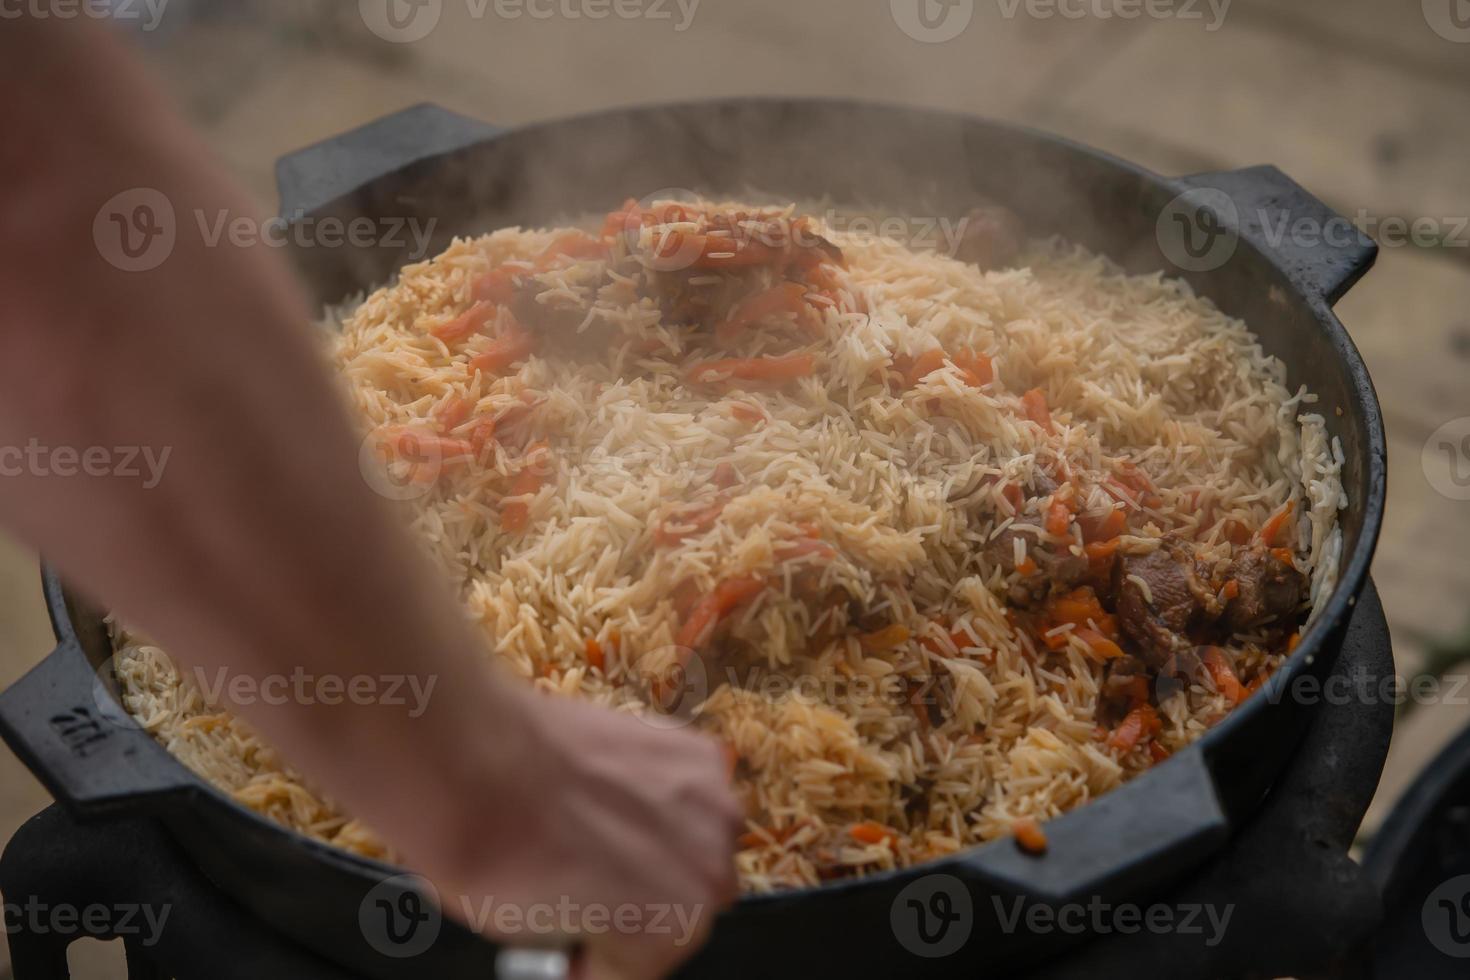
<point>263,550</point>
<point>608,813</point>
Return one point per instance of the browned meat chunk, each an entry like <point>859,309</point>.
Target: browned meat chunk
<point>1174,597</point>
<point>692,303</point>
<point>1055,571</point>
<point>992,237</point>
<point>1270,589</point>
<point>1181,670</point>
<point>1062,569</point>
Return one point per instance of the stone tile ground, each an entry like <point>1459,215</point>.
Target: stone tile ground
<point>1362,101</point>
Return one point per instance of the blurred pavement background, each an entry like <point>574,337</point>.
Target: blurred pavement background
<point>1364,102</point>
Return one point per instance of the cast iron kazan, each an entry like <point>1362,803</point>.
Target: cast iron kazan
<point>426,163</point>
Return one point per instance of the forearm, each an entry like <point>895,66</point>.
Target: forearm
<point>261,548</point>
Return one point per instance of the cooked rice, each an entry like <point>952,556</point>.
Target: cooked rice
<point>906,485</point>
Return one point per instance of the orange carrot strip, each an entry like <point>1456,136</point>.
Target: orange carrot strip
<point>675,529</point>
<point>453,412</point>
<point>1134,478</point>
<point>574,245</point>
<point>1141,722</point>
<point>670,212</point>
<point>595,656</point>
<point>498,286</point>
<point>786,297</point>
<point>516,514</point>
<point>1058,519</point>
<point>711,608</point>
<point>1034,402</point>
<point>977,368</point>
<point>1013,496</point>
<point>767,836</point>
<point>1235,532</point>
<point>885,639</point>
<point>1029,835</point>
<point>482,433</point>
<point>924,365</point>
<point>1102,648</point>
<point>465,324</point>
<point>746,412</point>
<point>1271,530</point>
<point>962,640</point>
<point>1080,607</point>
<point>617,222</point>
<point>1223,675</point>
<point>516,344</point>
<point>418,445</point>
<point>871,832</point>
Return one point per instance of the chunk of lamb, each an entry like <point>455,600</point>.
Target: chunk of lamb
<point>1175,596</point>
<point>1055,571</point>
<point>992,237</point>
<point>1270,590</point>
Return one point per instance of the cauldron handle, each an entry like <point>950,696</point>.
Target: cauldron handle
<point>65,724</point>
<point>315,175</point>
<point>1322,252</point>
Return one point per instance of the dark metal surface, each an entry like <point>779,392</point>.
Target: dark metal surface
<point>312,176</point>
<point>1420,860</point>
<point>426,164</point>
<point>1297,903</point>
<point>129,863</point>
